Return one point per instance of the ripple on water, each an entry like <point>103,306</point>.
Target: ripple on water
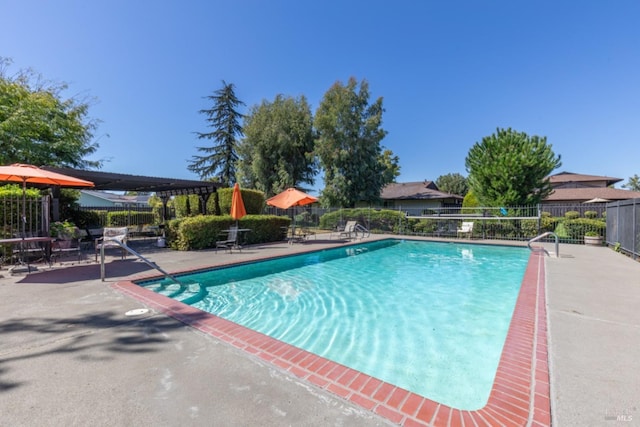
<point>425,316</point>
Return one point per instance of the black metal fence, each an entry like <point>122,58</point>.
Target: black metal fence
<point>35,221</point>
<point>570,221</point>
<point>623,226</point>
<point>122,216</point>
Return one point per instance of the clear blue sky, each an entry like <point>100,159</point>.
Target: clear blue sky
<point>450,72</point>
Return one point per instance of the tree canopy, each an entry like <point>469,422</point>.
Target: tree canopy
<point>39,126</point>
<point>633,184</point>
<point>390,167</point>
<point>277,151</point>
<point>348,146</point>
<point>219,160</point>
<point>453,183</point>
<point>510,168</point>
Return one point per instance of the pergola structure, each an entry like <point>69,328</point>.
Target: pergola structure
<point>162,187</point>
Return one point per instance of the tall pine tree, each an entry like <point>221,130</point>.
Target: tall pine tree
<point>219,160</point>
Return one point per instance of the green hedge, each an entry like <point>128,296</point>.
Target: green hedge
<point>10,195</point>
<point>219,203</point>
<point>202,231</point>
<point>253,201</point>
<point>378,221</point>
<point>577,228</point>
<point>123,218</point>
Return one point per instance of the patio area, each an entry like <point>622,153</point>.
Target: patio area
<point>70,355</point>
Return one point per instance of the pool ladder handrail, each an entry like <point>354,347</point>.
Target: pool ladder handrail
<point>359,228</point>
<point>136,254</point>
<point>543,235</point>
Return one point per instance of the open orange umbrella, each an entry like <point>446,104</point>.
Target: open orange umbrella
<point>291,197</point>
<point>18,172</point>
<point>34,175</point>
<point>237,204</point>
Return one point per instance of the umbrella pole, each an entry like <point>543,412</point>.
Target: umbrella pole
<point>23,220</point>
<point>24,207</point>
<point>24,225</point>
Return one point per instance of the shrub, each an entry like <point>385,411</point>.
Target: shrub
<point>577,228</point>
<point>63,230</point>
<point>84,219</point>
<point>124,218</point>
<point>11,193</point>
<point>469,202</point>
<point>548,223</point>
<point>500,229</point>
<point>572,214</point>
<point>202,231</point>
<point>423,226</point>
<point>253,201</point>
<point>591,214</point>
<point>529,228</point>
<point>381,221</point>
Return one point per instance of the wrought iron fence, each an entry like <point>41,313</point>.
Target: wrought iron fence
<point>35,220</point>
<point>623,226</point>
<point>570,221</point>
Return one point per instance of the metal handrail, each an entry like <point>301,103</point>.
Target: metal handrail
<point>362,229</point>
<point>535,239</point>
<point>134,253</point>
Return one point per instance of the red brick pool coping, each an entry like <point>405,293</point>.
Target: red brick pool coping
<point>519,396</point>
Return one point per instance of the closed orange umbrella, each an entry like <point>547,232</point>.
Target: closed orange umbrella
<point>237,204</point>
<point>291,197</point>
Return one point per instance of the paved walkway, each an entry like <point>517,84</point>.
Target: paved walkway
<point>593,296</point>
<point>70,356</point>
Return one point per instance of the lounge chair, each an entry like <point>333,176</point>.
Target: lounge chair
<point>349,231</point>
<point>112,238</point>
<point>465,228</point>
<point>299,234</point>
<point>231,240</point>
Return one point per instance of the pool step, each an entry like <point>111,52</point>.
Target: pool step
<point>187,293</point>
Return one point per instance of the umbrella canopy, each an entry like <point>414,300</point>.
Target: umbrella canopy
<point>34,175</point>
<point>291,197</point>
<point>237,204</point>
<point>597,200</point>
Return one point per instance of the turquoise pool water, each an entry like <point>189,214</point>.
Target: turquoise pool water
<point>426,316</point>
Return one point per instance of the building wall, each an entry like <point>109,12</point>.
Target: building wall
<point>90,200</point>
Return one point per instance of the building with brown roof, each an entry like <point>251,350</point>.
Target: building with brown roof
<point>571,187</point>
<point>417,195</point>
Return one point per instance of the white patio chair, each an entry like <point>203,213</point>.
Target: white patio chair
<point>111,238</point>
<point>465,228</point>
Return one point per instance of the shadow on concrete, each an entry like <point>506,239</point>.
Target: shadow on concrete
<point>84,272</point>
<point>93,337</point>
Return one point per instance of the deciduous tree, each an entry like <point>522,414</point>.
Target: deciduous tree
<point>510,168</point>
<point>219,160</point>
<point>277,151</point>
<point>348,144</point>
<point>39,126</point>
<point>453,183</point>
<point>390,167</point>
<point>633,184</point>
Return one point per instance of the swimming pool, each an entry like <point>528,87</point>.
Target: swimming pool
<point>428,317</point>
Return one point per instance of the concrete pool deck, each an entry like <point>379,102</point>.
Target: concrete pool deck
<point>70,356</point>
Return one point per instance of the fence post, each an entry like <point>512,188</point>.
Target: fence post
<point>635,231</point>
